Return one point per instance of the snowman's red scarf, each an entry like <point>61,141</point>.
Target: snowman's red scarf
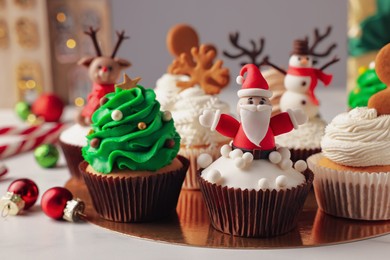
<point>314,74</point>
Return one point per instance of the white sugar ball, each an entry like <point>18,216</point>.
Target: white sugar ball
<point>284,152</point>
<point>248,157</point>
<point>239,80</point>
<point>214,176</point>
<point>372,65</point>
<point>275,157</point>
<point>281,181</point>
<point>236,153</point>
<point>263,184</point>
<point>300,166</point>
<point>204,160</point>
<point>116,115</point>
<point>167,116</point>
<point>225,150</point>
<point>239,162</point>
<point>286,164</point>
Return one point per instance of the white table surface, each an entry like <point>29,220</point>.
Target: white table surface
<point>34,236</point>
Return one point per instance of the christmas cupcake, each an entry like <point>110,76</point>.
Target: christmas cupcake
<point>131,166</point>
<point>189,87</point>
<point>352,175</point>
<point>253,189</point>
<point>103,72</point>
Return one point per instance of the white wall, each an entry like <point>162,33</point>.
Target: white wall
<point>279,21</point>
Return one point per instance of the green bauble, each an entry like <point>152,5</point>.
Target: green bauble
<point>46,155</point>
<point>22,109</point>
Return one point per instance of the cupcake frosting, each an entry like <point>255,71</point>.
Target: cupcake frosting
<point>307,136</point>
<point>186,106</point>
<point>358,138</point>
<point>130,132</point>
<point>260,174</point>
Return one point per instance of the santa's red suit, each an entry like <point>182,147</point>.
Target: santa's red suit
<point>93,101</point>
<point>231,127</point>
<point>315,75</point>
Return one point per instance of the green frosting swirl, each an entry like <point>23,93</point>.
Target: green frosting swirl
<point>368,84</point>
<point>122,144</point>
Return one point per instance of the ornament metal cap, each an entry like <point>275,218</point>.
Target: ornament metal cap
<point>74,210</point>
<point>11,204</point>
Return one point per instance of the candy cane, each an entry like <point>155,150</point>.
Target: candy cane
<point>34,136</point>
<point>3,169</point>
<point>19,130</point>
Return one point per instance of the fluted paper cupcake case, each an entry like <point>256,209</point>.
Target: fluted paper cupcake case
<point>251,213</point>
<point>303,154</point>
<point>350,194</point>
<point>73,158</point>
<point>192,153</point>
<point>135,199</point>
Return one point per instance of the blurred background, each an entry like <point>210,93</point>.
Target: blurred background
<point>41,41</point>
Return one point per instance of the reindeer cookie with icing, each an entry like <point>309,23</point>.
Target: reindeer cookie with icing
<point>103,71</point>
<point>380,101</point>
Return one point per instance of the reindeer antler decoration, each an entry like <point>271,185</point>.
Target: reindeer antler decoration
<point>253,54</point>
<point>317,39</point>
<point>121,37</point>
<point>92,34</point>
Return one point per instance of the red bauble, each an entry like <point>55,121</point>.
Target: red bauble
<point>26,189</point>
<point>49,107</point>
<point>54,201</point>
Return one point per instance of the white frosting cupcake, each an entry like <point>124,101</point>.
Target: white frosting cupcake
<point>186,106</point>
<point>358,138</point>
<point>258,175</point>
<point>307,136</point>
<point>75,135</point>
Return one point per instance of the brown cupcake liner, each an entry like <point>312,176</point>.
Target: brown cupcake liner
<point>303,154</point>
<point>73,158</point>
<point>351,194</point>
<point>251,213</point>
<point>192,153</point>
<point>135,199</point>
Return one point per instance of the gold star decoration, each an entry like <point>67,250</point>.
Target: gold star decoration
<point>128,83</point>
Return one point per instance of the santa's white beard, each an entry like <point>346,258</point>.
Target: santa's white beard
<point>255,123</point>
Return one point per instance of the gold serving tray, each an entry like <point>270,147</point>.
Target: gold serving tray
<point>191,226</point>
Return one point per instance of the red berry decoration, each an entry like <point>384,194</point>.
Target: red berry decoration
<point>21,195</point>
<point>58,203</point>
<point>49,107</point>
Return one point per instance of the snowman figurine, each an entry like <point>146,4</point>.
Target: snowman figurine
<point>301,78</point>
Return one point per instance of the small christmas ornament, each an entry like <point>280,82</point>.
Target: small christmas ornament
<point>23,109</point>
<point>46,155</point>
<point>58,203</point>
<point>21,195</point>
<point>49,107</point>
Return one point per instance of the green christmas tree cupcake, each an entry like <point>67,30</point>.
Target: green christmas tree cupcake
<point>131,166</point>
<point>368,84</point>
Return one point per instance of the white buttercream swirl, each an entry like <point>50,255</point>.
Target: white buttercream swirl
<point>186,106</point>
<point>358,138</point>
<point>307,136</point>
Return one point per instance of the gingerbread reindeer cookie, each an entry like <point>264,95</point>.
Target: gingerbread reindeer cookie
<point>380,101</point>
<point>195,61</point>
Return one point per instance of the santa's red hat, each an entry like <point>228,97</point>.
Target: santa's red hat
<point>254,84</point>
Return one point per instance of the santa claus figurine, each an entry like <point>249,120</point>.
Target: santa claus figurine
<point>257,130</point>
